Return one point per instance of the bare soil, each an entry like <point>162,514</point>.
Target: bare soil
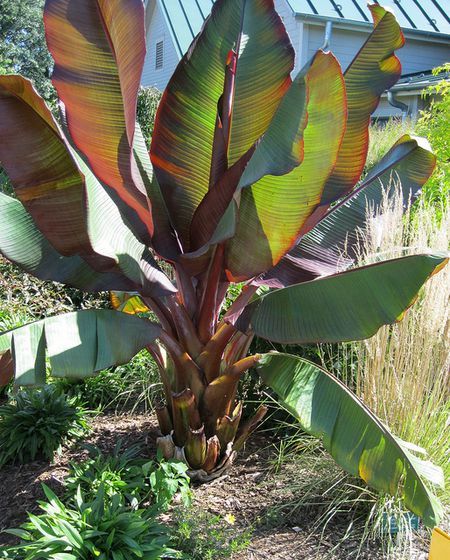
<point>251,491</point>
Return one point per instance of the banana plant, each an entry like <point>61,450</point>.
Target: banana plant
<point>253,177</point>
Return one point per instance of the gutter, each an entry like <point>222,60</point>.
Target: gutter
<point>313,18</point>
<point>397,104</point>
<point>327,38</point>
<point>409,87</point>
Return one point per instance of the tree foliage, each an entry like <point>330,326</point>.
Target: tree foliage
<point>23,49</point>
<point>433,123</point>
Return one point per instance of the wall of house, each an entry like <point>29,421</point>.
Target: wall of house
<point>415,56</point>
<point>159,31</point>
<point>422,55</point>
<point>293,28</point>
<point>344,43</point>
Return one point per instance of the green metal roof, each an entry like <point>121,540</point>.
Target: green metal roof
<point>185,17</point>
<point>421,15</point>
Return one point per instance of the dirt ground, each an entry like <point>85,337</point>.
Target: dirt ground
<point>251,492</point>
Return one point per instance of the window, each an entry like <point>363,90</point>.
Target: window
<point>159,61</point>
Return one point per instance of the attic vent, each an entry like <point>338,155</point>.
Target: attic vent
<point>159,55</point>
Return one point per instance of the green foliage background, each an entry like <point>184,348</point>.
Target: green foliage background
<point>22,46</point>
<point>434,124</point>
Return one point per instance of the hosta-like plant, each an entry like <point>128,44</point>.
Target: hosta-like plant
<point>251,178</point>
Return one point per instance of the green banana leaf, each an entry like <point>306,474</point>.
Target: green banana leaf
<point>23,244</point>
<point>358,441</point>
<point>332,244</point>
<point>276,207</point>
<point>76,344</point>
<point>183,136</point>
<point>374,69</point>
<point>352,305</point>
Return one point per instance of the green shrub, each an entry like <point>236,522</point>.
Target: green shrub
<point>203,536</point>
<point>37,422</point>
<point>383,135</point>
<point>135,479</point>
<point>116,474</point>
<point>103,529</point>
<point>147,103</point>
<point>167,478</point>
<point>23,293</point>
<point>433,123</point>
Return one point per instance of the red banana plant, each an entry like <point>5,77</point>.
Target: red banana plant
<point>251,178</point>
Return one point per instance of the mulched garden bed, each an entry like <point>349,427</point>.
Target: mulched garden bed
<point>251,492</point>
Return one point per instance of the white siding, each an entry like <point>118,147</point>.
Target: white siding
<point>344,43</point>
<point>386,110</point>
<point>293,28</point>
<point>421,55</point>
<point>159,31</point>
<point>415,56</point>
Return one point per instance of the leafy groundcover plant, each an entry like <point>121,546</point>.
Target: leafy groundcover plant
<point>103,529</point>
<point>245,167</point>
<point>35,424</point>
<point>137,479</point>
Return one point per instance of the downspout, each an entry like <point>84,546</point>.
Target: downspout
<point>397,104</point>
<point>327,37</point>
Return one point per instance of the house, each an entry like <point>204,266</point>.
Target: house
<point>172,25</point>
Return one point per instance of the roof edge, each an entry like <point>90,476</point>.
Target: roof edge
<point>362,24</point>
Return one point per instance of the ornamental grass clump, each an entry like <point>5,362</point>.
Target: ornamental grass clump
<point>238,187</point>
<point>403,371</point>
<point>34,424</point>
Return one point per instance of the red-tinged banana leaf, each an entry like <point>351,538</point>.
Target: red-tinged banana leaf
<point>112,236</point>
<point>42,171</point>
<point>164,240</point>
<point>374,69</point>
<point>357,440</point>
<point>273,210</point>
<point>99,48</point>
<point>76,344</point>
<point>23,244</point>
<point>352,305</point>
<point>6,368</point>
<point>57,188</point>
<point>211,212</point>
<point>197,262</point>
<point>127,302</point>
<point>181,150</point>
<point>332,245</point>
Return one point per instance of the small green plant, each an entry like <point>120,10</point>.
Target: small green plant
<point>381,137</point>
<point>37,422</point>
<point>136,479</point>
<point>203,536</point>
<point>147,103</point>
<point>167,478</point>
<point>103,529</point>
<point>118,473</point>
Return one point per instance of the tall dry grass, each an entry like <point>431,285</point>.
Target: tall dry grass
<point>382,136</point>
<point>402,373</point>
